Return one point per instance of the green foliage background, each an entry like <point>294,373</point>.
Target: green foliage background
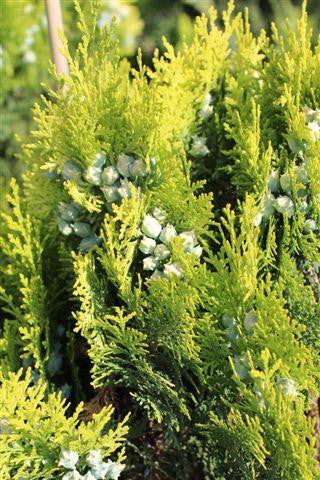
<point>208,397</point>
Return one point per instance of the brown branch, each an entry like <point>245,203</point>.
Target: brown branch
<point>55,26</point>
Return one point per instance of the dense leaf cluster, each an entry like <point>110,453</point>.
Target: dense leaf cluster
<point>219,364</point>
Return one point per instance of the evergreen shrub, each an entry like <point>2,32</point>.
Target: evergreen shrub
<point>162,256</point>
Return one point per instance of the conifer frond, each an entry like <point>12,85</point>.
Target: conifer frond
<point>36,428</point>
